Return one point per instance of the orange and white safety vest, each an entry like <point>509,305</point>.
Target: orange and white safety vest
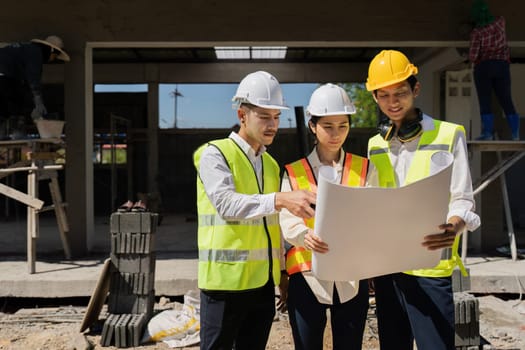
<point>301,177</point>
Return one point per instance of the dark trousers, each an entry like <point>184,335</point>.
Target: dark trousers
<point>493,75</point>
<point>11,97</point>
<point>241,319</point>
<point>308,317</point>
<point>411,307</point>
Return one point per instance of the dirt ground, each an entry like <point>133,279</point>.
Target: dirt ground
<point>502,326</point>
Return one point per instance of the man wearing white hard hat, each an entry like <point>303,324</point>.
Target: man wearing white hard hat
<point>241,258</point>
<point>21,68</point>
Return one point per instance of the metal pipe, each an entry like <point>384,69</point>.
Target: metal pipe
<point>498,171</point>
<point>508,215</point>
<point>302,133</point>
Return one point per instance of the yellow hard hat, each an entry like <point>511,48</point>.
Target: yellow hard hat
<point>387,68</point>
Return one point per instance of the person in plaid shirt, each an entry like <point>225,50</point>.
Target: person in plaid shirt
<point>490,55</point>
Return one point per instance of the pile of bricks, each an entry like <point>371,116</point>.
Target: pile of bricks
<point>123,330</point>
<point>131,288</point>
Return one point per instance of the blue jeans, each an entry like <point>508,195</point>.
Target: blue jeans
<point>493,75</point>
<point>308,317</point>
<point>411,307</point>
<point>237,319</point>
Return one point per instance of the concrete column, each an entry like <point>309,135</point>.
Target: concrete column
<point>153,137</point>
<point>78,108</point>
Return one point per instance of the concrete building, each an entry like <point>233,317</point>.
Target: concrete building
<point>173,42</point>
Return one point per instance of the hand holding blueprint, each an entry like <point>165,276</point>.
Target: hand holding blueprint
<point>375,231</point>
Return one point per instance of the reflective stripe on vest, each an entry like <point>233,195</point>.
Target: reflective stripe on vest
<point>301,177</point>
<point>231,255</point>
<point>216,220</point>
<point>237,255</point>
<point>440,139</point>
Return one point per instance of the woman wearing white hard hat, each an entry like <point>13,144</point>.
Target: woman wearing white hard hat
<point>308,297</point>
<point>20,66</point>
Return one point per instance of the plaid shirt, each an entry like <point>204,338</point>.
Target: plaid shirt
<point>489,42</point>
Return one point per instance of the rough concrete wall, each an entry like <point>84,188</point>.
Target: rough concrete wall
<point>517,72</point>
<point>212,20</point>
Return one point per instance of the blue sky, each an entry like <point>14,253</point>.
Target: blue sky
<point>210,105</point>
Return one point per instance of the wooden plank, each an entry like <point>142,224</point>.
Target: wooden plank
<point>43,155</point>
<point>63,226</point>
<point>27,199</point>
<point>32,181</point>
<point>34,205</point>
<point>32,223</point>
<point>98,298</point>
<point>31,168</point>
<point>496,145</point>
<point>51,207</point>
<point>13,170</point>
<point>19,164</point>
<point>30,142</point>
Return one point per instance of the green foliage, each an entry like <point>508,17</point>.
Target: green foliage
<point>120,156</point>
<point>366,108</point>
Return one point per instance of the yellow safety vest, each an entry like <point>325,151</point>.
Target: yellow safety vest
<point>432,141</point>
<point>301,177</point>
<point>237,255</point>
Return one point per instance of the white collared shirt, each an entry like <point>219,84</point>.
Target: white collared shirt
<point>462,202</point>
<point>217,180</point>
<point>294,229</point>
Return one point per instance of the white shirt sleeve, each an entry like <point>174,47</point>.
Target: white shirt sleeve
<point>462,202</point>
<point>372,179</point>
<point>293,227</point>
<point>218,183</point>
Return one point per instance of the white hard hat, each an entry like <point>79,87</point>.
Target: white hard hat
<point>330,99</point>
<point>56,43</point>
<point>260,89</point>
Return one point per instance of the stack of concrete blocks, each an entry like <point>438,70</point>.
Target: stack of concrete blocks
<point>466,309</point>
<point>131,288</point>
<point>467,321</point>
<point>460,283</point>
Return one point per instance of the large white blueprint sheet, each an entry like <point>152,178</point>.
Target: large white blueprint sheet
<point>374,231</point>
